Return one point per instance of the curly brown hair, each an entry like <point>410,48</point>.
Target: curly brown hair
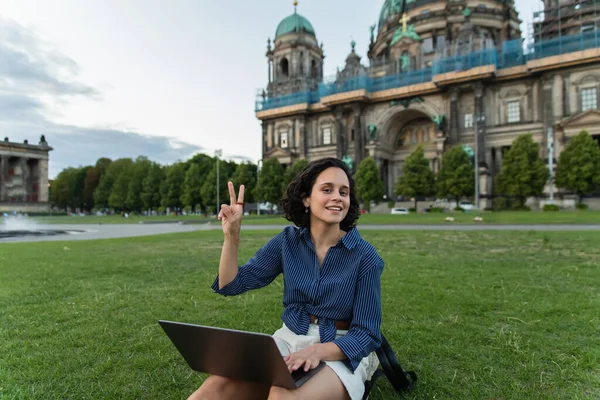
<point>301,187</point>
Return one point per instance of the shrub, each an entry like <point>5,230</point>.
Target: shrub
<point>500,204</point>
<point>459,209</point>
<point>582,206</point>
<point>391,204</point>
<point>436,210</point>
<point>551,207</point>
<point>412,210</point>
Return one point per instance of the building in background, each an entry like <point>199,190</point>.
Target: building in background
<point>24,176</point>
<point>439,73</point>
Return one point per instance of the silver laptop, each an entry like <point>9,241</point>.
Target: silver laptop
<point>239,355</point>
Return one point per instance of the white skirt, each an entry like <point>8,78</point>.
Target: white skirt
<point>354,382</point>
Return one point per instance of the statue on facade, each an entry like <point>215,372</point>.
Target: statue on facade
<point>440,123</point>
<point>348,161</point>
<point>372,128</point>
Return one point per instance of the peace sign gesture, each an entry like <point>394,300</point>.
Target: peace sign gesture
<point>231,215</point>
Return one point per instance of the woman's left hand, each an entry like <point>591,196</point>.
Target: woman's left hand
<point>309,358</point>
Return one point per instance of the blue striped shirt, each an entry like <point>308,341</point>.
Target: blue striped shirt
<point>346,287</point>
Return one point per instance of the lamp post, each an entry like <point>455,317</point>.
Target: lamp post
<point>550,140</point>
<point>258,165</point>
<point>218,153</point>
<point>478,131</point>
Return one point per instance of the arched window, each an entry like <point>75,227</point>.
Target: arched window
<point>284,65</point>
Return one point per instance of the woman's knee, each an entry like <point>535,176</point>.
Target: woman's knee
<point>212,388</point>
<point>218,387</point>
<point>217,382</point>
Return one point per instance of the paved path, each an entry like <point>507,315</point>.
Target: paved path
<point>96,231</point>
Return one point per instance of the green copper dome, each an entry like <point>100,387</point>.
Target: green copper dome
<point>295,23</point>
<point>395,8</point>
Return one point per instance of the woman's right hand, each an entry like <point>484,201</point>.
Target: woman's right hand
<point>231,215</point>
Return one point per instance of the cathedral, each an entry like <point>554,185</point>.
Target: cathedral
<point>439,73</point>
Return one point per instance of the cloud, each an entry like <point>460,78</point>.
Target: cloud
<point>27,65</point>
<point>33,72</point>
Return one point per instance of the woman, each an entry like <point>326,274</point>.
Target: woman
<point>332,307</point>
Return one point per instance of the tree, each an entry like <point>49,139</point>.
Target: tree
<point>209,186</point>
<point>151,195</point>
<point>417,180</point>
<point>523,172</point>
<point>141,168</point>
<point>115,170</point>
<point>192,184</point>
<point>291,173</point>
<point>92,179</point>
<point>456,177</point>
<point>102,165</point>
<point>579,166</point>
<point>269,187</point>
<point>67,188</point>
<point>369,185</point>
<point>171,188</point>
<point>245,174</point>
<point>62,188</point>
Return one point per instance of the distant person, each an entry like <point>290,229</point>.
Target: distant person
<point>331,298</point>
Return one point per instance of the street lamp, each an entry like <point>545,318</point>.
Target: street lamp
<point>550,141</point>
<point>258,166</point>
<point>218,153</point>
<point>478,131</point>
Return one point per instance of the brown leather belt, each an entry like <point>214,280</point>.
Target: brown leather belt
<point>339,325</point>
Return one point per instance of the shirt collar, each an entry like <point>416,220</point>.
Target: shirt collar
<point>350,240</point>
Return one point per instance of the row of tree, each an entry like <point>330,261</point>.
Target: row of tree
<point>523,172</point>
<point>141,184</point>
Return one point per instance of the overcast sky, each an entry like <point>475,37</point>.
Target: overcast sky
<point>165,79</point>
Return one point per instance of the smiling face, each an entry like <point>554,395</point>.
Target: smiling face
<point>329,200</point>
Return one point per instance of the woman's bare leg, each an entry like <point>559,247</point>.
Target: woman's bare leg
<point>220,388</point>
<point>325,385</point>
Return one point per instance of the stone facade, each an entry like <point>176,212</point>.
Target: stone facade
<point>408,96</point>
<point>24,176</point>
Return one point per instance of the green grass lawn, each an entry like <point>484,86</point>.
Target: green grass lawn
<point>504,217</point>
<point>494,315</point>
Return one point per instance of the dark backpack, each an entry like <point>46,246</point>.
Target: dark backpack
<point>390,367</point>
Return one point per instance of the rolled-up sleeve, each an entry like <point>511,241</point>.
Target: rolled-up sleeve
<point>364,335</point>
<point>258,272</point>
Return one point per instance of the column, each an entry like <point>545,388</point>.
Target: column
<point>487,188</point>
<point>25,177</point>
<point>359,138</point>
<point>292,143</point>
<point>270,71</point>
<point>535,99</point>
<point>454,117</point>
<point>480,150</point>
<point>499,159</point>
<point>3,177</point>
<point>43,181</point>
<point>557,96</point>
<point>480,124</point>
<point>391,183</point>
<point>302,140</point>
<point>264,138</point>
<point>339,142</point>
<point>269,135</point>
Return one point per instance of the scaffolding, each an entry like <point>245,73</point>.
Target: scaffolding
<point>564,19</point>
